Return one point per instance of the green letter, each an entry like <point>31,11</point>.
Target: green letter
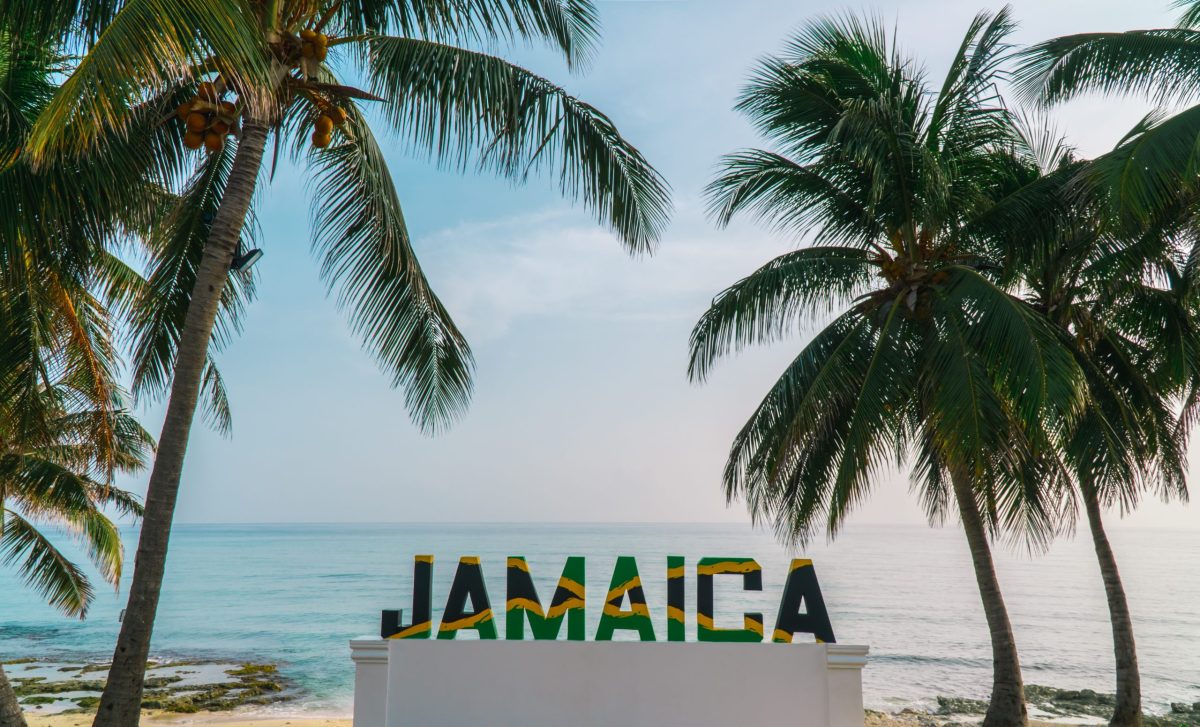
<point>625,580</point>
<point>751,573</point>
<point>676,621</point>
<point>569,600</point>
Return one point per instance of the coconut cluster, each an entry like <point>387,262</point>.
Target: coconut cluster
<point>323,127</point>
<point>314,45</point>
<point>207,119</point>
<point>306,50</point>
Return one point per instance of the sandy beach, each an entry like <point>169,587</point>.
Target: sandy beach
<point>159,719</point>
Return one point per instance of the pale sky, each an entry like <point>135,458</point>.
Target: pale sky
<point>582,410</point>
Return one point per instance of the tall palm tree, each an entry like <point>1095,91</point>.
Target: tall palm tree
<point>1148,181</point>
<point>251,71</point>
<point>911,199</point>
<point>64,432</point>
<point>1124,303</point>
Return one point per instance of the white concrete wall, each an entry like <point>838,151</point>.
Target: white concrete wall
<point>632,684</point>
<point>370,658</point>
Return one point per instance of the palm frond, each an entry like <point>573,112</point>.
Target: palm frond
<point>809,453</point>
<point>460,105</point>
<point>762,307</point>
<point>43,567</point>
<point>1024,353</point>
<point>797,99</point>
<point>824,200</point>
<point>572,26</point>
<point>126,63</point>
<point>366,255</point>
<point>156,308</point>
<point>968,113</point>
<point>53,18</point>
<point>1147,173</point>
<point>1191,13</point>
<point>1162,64</point>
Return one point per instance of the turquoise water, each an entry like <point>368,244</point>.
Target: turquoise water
<point>295,594</point>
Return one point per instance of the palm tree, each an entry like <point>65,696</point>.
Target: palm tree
<point>1148,181</point>
<point>1163,64</point>
<point>912,200</point>
<point>1125,305</point>
<point>259,70</point>
<point>64,432</point>
<point>57,483</point>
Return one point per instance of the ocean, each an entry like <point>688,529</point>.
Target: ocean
<point>295,594</point>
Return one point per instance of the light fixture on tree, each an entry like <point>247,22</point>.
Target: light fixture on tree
<point>245,260</point>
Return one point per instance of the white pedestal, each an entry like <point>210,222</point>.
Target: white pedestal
<point>431,683</point>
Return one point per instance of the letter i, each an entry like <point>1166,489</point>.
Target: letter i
<point>676,623</point>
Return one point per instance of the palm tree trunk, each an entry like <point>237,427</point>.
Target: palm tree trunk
<point>10,709</point>
<point>120,704</point>
<point>1007,706</point>
<point>1128,710</point>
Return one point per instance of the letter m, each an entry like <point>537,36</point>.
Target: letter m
<point>523,603</point>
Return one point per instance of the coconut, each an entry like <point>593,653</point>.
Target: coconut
<point>228,109</point>
<point>339,115</point>
<point>213,142</point>
<point>324,125</point>
<point>308,34</point>
<point>193,140</point>
<point>320,140</point>
<point>197,122</point>
<point>182,110</point>
<point>307,50</point>
<point>207,92</point>
<point>220,127</point>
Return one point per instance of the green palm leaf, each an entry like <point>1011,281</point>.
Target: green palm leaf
<point>1163,64</point>
<point>763,307</point>
<point>126,61</point>
<point>156,307</point>
<point>366,255</point>
<point>825,200</point>
<point>571,25</point>
<point>43,567</point>
<point>461,105</point>
<point>1022,350</point>
<point>1153,165</point>
<point>782,483</point>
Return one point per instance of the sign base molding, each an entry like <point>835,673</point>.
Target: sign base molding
<point>461,683</point>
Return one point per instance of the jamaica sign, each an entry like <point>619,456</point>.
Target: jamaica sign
<point>468,607</point>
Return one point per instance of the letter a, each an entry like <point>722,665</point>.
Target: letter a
<point>625,580</point>
<point>802,589</point>
<point>468,583</point>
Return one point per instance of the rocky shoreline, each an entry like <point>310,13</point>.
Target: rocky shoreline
<point>177,687</point>
<point>1047,706</point>
<point>47,688</point>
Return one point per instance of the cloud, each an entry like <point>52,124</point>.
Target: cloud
<point>553,265</point>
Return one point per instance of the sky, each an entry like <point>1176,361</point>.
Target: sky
<point>582,410</point>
